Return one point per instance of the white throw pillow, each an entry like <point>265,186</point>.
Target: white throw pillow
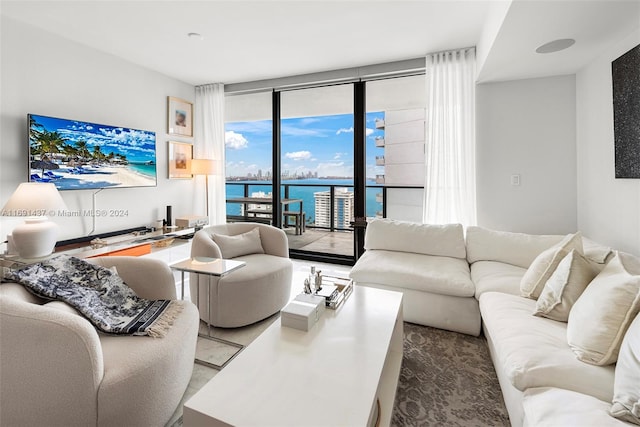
<point>626,388</point>
<point>546,263</point>
<point>564,287</point>
<point>241,244</point>
<point>599,319</point>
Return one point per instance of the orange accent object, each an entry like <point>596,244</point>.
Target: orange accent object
<point>134,251</point>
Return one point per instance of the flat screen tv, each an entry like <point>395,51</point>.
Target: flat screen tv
<point>77,155</point>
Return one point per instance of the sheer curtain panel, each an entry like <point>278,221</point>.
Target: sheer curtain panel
<point>450,184</point>
<point>209,144</point>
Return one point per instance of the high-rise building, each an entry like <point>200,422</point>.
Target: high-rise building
<point>403,144</point>
<point>342,208</point>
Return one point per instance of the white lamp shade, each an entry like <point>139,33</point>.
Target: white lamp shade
<point>35,238</point>
<point>203,166</point>
<point>34,199</point>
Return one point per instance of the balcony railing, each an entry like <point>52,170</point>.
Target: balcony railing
<point>332,220</point>
<point>376,198</point>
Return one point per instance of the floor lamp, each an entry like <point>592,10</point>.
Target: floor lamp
<point>204,167</point>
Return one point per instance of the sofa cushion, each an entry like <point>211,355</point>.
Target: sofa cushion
<point>495,276</point>
<point>426,239</point>
<point>564,287</point>
<point>513,248</point>
<point>547,406</point>
<point>600,318</point>
<point>546,263</point>
<point>533,352</point>
<point>436,274</point>
<point>240,244</point>
<point>626,388</point>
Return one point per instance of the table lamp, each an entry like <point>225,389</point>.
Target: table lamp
<point>204,167</point>
<point>37,237</point>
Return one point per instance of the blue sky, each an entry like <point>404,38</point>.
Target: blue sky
<point>137,145</point>
<point>322,144</point>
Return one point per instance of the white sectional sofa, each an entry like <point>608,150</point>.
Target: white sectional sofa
<point>428,265</point>
<point>543,381</point>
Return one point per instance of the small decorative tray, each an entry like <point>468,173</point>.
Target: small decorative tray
<point>345,289</point>
<point>164,243</point>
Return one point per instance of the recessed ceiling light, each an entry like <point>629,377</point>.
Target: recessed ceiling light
<point>195,36</point>
<point>555,46</point>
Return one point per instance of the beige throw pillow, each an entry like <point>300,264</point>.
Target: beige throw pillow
<point>564,287</point>
<point>546,263</point>
<point>626,388</point>
<point>241,244</point>
<point>599,319</point>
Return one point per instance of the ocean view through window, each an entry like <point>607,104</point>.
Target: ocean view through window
<point>323,137</point>
<point>317,154</point>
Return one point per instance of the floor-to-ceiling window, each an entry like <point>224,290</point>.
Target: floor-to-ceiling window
<point>338,160</point>
<point>249,145</point>
<point>317,167</point>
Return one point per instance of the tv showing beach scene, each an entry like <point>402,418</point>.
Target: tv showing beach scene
<point>77,155</point>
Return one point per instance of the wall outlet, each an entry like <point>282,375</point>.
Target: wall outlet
<point>515,179</point>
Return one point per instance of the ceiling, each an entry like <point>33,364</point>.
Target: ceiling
<point>254,40</point>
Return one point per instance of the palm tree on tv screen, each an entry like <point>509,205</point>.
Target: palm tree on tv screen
<point>35,130</point>
<point>46,145</point>
<point>98,155</point>
<point>83,150</point>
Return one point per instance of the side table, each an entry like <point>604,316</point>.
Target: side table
<point>208,267</point>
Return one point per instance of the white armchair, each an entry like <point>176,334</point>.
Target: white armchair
<point>252,293</point>
<point>56,369</point>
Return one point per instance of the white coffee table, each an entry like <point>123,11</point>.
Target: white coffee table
<point>332,375</point>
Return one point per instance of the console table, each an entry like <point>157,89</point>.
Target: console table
<point>334,374</point>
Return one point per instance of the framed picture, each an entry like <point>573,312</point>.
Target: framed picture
<point>179,117</point>
<point>180,156</point>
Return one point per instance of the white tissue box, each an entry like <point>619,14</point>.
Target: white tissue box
<point>316,300</point>
<point>299,315</point>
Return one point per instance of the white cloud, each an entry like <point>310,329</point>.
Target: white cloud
<point>298,155</point>
<point>368,131</point>
<point>338,156</point>
<point>335,169</point>
<point>235,141</point>
<point>289,130</point>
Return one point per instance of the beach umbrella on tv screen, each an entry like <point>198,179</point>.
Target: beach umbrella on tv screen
<point>42,164</point>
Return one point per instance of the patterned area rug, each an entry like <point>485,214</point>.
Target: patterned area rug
<point>447,379</point>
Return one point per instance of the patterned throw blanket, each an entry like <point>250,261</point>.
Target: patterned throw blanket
<point>99,294</point>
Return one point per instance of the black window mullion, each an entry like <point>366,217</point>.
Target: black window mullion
<point>276,208</point>
<point>359,166</point>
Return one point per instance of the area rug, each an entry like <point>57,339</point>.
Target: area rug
<point>447,379</point>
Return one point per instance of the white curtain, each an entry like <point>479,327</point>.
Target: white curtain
<point>450,184</point>
<point>209,144</point>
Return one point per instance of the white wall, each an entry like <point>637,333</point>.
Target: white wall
<point>45,74</point>
<point>527,127</point>
<point>608,208</point>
